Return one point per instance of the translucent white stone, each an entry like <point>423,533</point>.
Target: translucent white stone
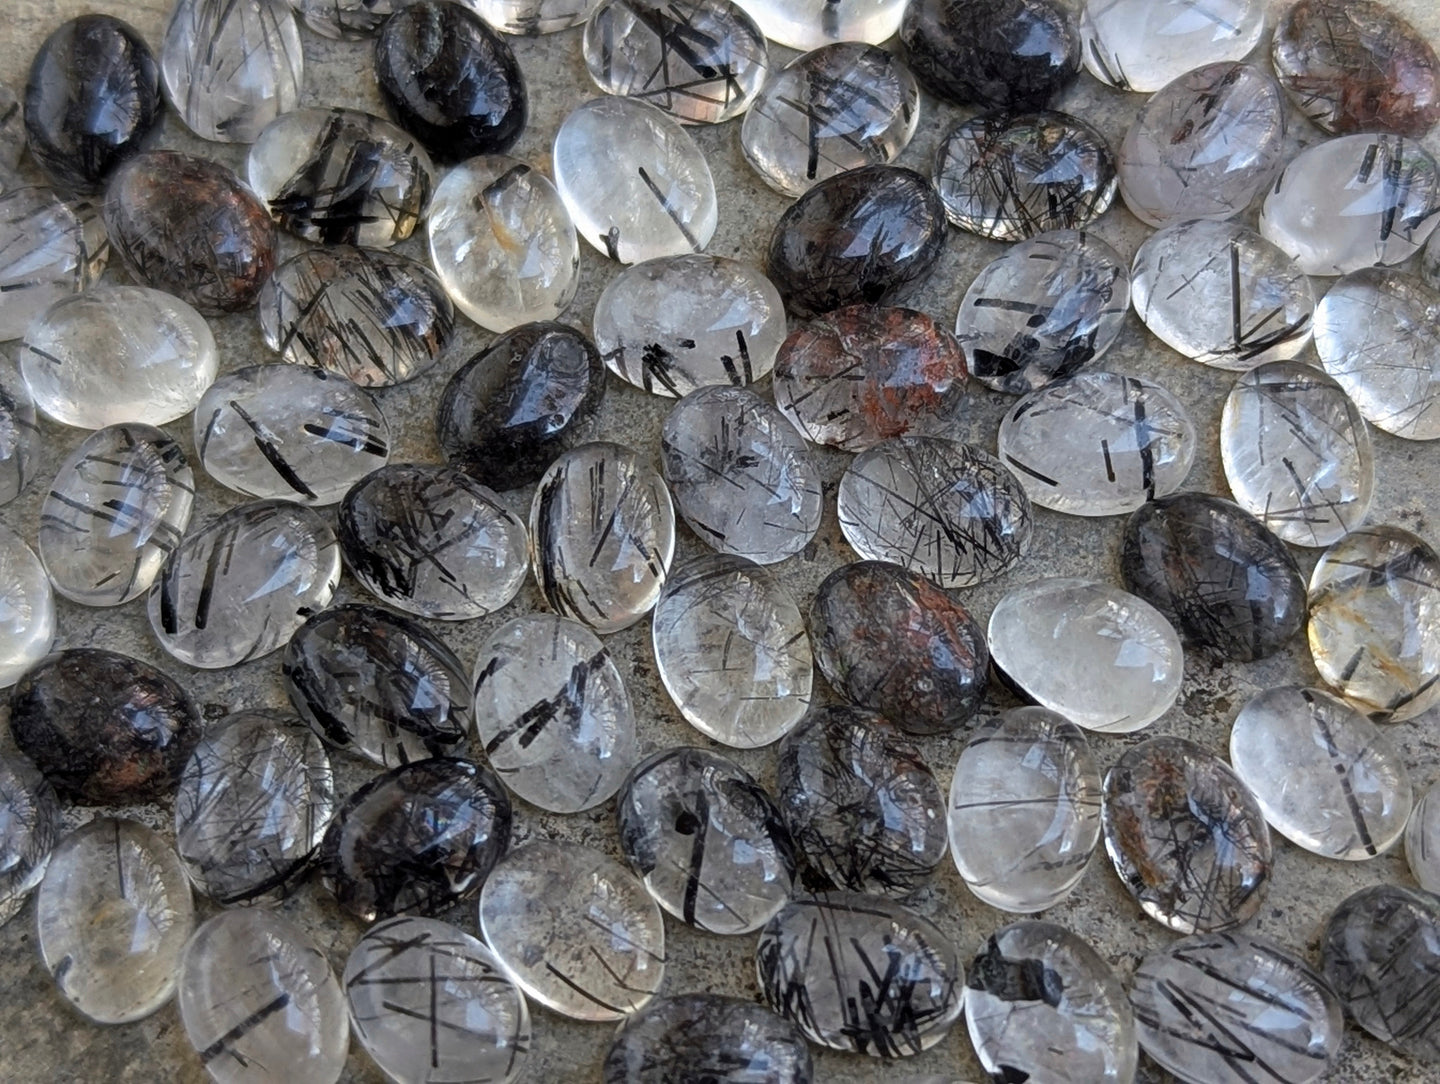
<point>602,968</point>
<point>114,913</point>
<point>1422,840</point>
<point>346,19</point>
<point>1024,814</point>
<point>1098,443</point>
<point>503,243</point>
<point>1297,453</point>
<point>1101,657</point>
<point>1324,775</point>
<point>532,16</point>
<point>1143,44</point>
<point>118,354</point>
<point>50,248</point>
<point>27,608</point>
<point>635,183</point>
<point>259,1002</point>
<point>809,24</point>
<point>19,434</point>
<point>1352,202</point>
<point>29,827</point>
<point>1221,294</point>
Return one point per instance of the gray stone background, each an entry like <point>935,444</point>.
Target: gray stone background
<point>43,1039</point>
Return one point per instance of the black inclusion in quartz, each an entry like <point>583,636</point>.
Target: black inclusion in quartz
<point>92,98</point>
<point>450,81</point>
<point>997,54</point>
<point>856,237</point>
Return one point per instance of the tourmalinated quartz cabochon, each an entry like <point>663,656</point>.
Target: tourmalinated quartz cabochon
<point>50,248</point>
<point>345,19</point>
<point>27,608</point>
<point>722,1040</point>
<point>809,24</point>
<point>1141,45</point>
<point>29,828</point>
<point>20,435</point>
<point>531,17</point>
<point>1422,840</point>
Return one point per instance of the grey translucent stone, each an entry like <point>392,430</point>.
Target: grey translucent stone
<point>1098,443</point>
<point>1378,334</point>
<point>27,608</point>
<point>259,1002</point>
<point>1430,262</point>
<point>114,913</point>
<point>1143,44</point>
<point>1043,309</point>
<point>1186,836</point>
<point>1422,840</point>
<point>603,968</point>
<point>707,840</point>
<point>1220,293</point>
<point>1205,146</point>
<point>530,17</point>
<point>19,433</point>
<point>602,536</point>
<point>1297,453</point>
<point>503,243</point>
<point>1228,1008</point>
<point>818,961</point>
<point>253,801</point>
<point>707,1037</point>
<point>701,61</point>
<point>50,248</point>
<point>809,24</point>
<point>29,828</point>
<point>428,1002</point>
<point>118,354</point>
<point>238,587</point>
<point>740,475</point>
<point>1024,815</point>
<point>1101,657</point>
<point>1352,202</point>
<point>117,509</point>
<point>1375,622</point>
<point>946,510</point>
<point>1325,777</point>
<point>837,108</point>
<point>347,19</point>
<point>232,66</point>
<point>552,713</point>
<point>289,432</point>
<point>1041,1004</point>
<point>677,323</point>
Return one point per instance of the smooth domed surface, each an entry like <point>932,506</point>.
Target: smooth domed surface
<point>50,248</point>
<point>29,828</point>
<point>531,17</point>
<point>722,1040</point>
<point>1422,840</point>
<point>1141,45</point>
<point>27,608</point>
<point>809,24</point>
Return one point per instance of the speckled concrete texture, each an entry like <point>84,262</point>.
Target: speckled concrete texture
<point>42,1039</point>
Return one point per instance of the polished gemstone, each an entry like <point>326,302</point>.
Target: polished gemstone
<point>707,840</point>
<point>91,100</point>
<point>635,183</point>
<point>530,17</point>
<point>707,1037</point>
<point>865,373</point>
<point>1042,309</point>
<point>27,608</point>
<point>809,24</point>
<point>1098,443</point>
<point>603,968</point>
<point>856,237</point>
<point>346,19</point>
<point>552,713</point>
<point>1228,1008</point>
<point>1353,202</point>
<point>341,177</point>
<point>740,475</point>
<point>866,811</point>
<point>1203,147</point>
<point>20,435</point>
<point>1041,1004</point>
<point>1422,840</point>
<point>238,587</point>
<point>602,536</point>
<point>1375,622</point>
<point>891,641</point>
<point>1325,777</point>
<point>428,1002</point>
<point>29,828</point>
<point>104,729</point>
<point>838,108</point>
<point>114,913</point>
<point>1220,293</point>
<point>1011,176</point>
<point>420,838</point>
<point>432,541</point>
<point>731,650</point>
<point>1098,656</point>
<point>701,61</point>
<point>1217,573</point>
<point>378,685</point>
<point>1024,810</point>
<point>232,66</point>
<point>502,243</point>
<point>253,802</point>
<point>118,354</point>
<point>1141,45</point>
<point>50,248</point>
<point>943,509</point>
<point>860,974</point>
<point>525,399</point>
<point>1186,836</point>
<point>259,1002</point>
<point>117,509</point>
